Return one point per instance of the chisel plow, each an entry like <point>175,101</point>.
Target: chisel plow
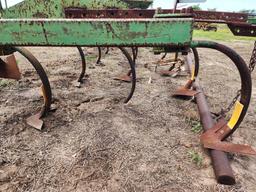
<point>78,24</point>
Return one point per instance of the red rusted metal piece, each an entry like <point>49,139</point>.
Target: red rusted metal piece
<point>199,16</point>
<point>9,68</point>
<point>237,22</point>
<point>212,139</point>
<point>126,78</point>
<point>186,91</point>
<point>243,29</point>
<point>218,17</point>
<point>168,72</point>
<point>35,121</point>
<point>221,165</point>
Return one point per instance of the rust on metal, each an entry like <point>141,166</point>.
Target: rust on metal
<point>186,91</point>
<point>125,78</point>
<point>243,29</point>
<point>35,121</point>
<point>45,90</point>
<point>252,63</point>
<point>199,16</point>
<point>221,165</point>
<point>212,139</point>
<point>9,68</point>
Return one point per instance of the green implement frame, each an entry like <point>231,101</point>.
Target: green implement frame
<point>96,32</point>
<point>43,23</point>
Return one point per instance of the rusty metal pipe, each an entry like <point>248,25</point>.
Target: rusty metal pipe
<point>220,162</point>
<point>221,166</point>
<point>132,73</point>
<point>35,120</point>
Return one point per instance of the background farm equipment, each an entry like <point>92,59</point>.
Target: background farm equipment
<point>206,26</point>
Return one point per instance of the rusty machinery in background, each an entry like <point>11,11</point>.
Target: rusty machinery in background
<point>69,23</point>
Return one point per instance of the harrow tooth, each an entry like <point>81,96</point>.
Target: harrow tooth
<point>45,89</point>
<point>186,91</point>
<point>167,73</point>
<point>9,68</point>
<point>212,139</point>
<point>35,121</point>
<point>124,78</point>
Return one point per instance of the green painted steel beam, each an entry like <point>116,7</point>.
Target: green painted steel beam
<point>96,32</point>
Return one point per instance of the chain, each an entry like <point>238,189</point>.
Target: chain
<point>252,65</point>
<point>223,112</point>
<point>233,102</point>
<point>253,59</point>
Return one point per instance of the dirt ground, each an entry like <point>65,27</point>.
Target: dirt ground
<point>93,142</point>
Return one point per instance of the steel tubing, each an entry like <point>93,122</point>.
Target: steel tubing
<point>220,162</point>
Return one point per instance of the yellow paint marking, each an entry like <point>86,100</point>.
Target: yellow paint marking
<point>42,92</point>
<point>193,73</point>
<point>236,115</point>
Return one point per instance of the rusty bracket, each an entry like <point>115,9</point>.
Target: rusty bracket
<point>212,139</point>
<point>243,29</point>
<point>199,16</point>
<point>9,68</point>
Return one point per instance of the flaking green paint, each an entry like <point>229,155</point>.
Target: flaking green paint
<point>93,32</point>
<point>55,8</point>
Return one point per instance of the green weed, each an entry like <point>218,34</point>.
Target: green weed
<point>196,127</point>
<point>196,157</point>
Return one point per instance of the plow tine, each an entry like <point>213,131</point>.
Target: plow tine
<point>35,120</point>
<point>212,139</point>
<point>230,147</point>
<point>9,68</point>
<point>215,133</point>
<point>82,55</point>
<point>125,78</point>
<point>185,91</point>
<point>98,62</point>
<point>131,73</point>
